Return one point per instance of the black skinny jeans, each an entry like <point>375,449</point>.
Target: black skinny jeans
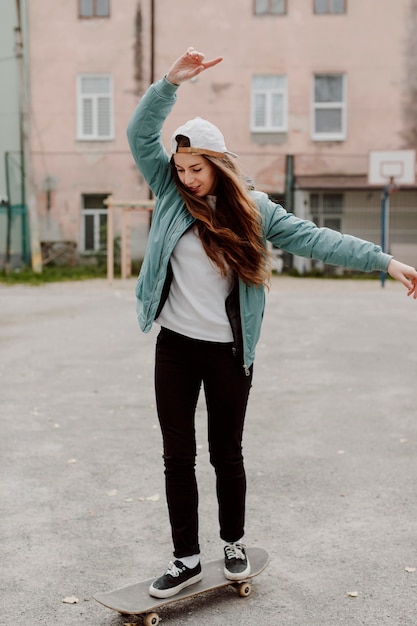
<point>182,365</point>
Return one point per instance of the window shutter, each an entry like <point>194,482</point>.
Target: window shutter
<point>87,116</point>
<point>277,112</point>
<point>269,108</point>
<point>103,117</point>
<point>95,108</point>
<point>260,110</point>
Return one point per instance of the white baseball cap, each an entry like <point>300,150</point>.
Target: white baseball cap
<point>205,138</point>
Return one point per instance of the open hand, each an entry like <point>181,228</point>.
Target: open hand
<point>188,65</point>
<point>406,274</point>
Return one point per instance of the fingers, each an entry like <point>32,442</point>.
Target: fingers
<point>194,55</point>
<point>412,288</point>
<point>212,62</point>
<point>406,275</point>
<point>198,57</point>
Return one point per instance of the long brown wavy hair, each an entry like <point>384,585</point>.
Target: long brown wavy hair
<point>232,233</point>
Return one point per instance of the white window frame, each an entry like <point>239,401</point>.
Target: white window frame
<point>324,213</point>
<point>269,92</point>
<point>320,106</point>
<point>268,10</point>
<point>93,99</point>
<point>96,214</point>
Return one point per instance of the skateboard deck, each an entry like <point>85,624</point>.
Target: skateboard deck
<point>135,599</point>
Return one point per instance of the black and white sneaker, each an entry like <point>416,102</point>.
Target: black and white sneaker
<point>236,563</point>
<point>175,578</point>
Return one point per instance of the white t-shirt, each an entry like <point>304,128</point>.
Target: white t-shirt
<point>195,306</point>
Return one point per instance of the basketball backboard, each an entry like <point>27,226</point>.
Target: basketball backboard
<point>397,166</point>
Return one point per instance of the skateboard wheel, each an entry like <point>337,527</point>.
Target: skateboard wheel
<point>151,619</point>
<point>244,589</point>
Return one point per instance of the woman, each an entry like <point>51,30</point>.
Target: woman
<point>203,281</point>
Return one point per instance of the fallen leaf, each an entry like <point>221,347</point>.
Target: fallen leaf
<point>352,594</point>
<point>70,600</point>
<point>410,570</point>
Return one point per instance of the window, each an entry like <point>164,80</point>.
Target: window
<point>95,107</point>
<point>270,7</point>
<point>327,209</point>
<point>336,7</point>
<point>94,223</point>
<point>329,107</point>
<point>94,8</point>
<point>269,104</point>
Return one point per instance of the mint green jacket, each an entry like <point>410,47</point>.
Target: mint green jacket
<point>171,219</point>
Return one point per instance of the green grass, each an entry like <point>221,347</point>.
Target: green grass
<point>347,274</point>
<point>51,275</point>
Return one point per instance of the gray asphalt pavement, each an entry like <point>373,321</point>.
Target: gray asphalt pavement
<point>330,447</point>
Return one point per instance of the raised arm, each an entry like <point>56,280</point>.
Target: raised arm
<point>145,125</point>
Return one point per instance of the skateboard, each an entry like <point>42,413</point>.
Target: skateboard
<point>135,599</point>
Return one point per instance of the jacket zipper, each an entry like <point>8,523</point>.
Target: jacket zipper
<point>245,367</point>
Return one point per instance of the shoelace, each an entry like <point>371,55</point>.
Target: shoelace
<point>234,551</point>
<point>173,570</point>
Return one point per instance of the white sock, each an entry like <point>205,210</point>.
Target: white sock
<point>190,561</point>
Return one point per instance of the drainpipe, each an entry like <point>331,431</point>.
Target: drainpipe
<point>152,64</point>
<point>289,183</point>
<point>6,202</point>
<point>289,198</point>
<point>21,33</point>
<point>152,77</point>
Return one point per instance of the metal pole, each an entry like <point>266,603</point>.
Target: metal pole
<point>289,183</point>
<point>152,29</point>
<point>9,215</point>
<point>110,244</point>
<point>28,192</point>
<point>385,208</point>
<point>152,76</point>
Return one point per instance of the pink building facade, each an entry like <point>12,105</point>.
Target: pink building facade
<point>306,90</point>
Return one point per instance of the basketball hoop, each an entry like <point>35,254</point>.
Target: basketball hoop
<point>391,170</point>
<point>395,166</point>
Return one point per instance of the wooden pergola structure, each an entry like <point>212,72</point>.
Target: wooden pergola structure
<point>126,208</point>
